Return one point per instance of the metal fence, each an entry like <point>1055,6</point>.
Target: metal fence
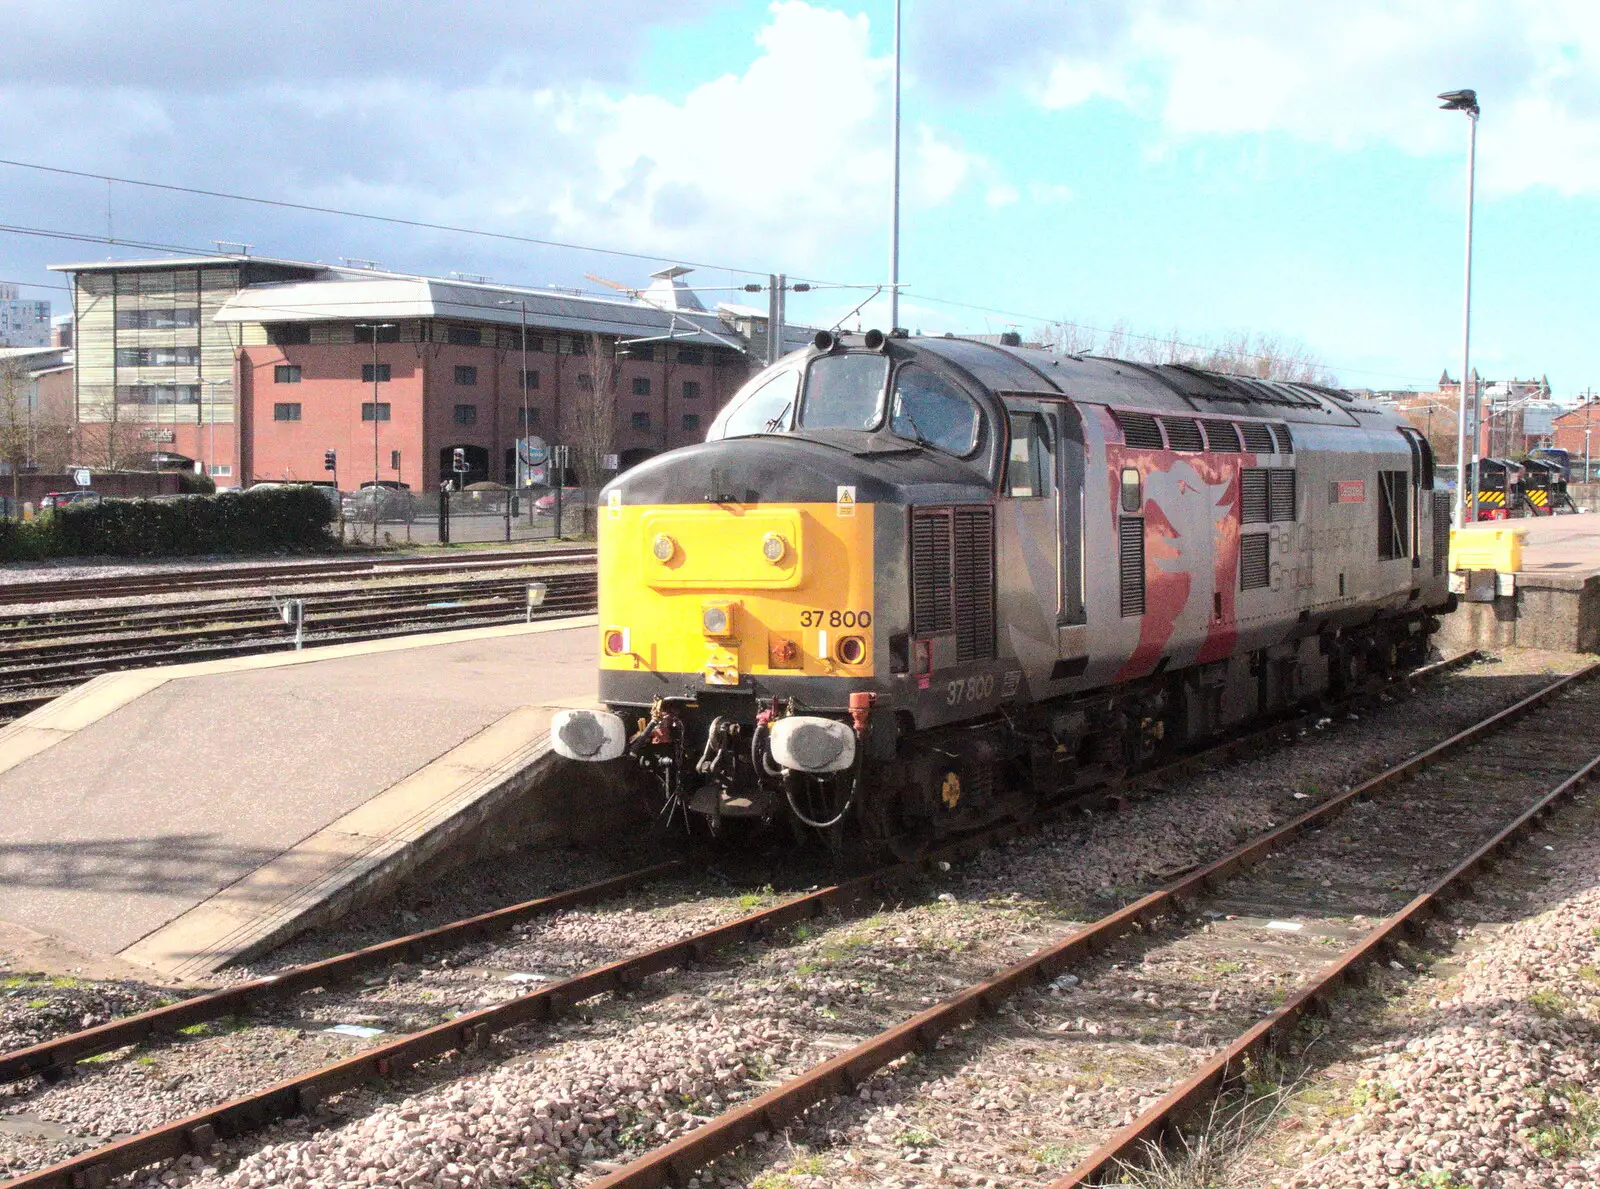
<point>457,517</point>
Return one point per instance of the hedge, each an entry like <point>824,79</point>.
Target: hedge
<point>237,522</point>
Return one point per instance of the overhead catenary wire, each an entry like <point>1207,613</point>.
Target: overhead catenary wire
<point>419,224</point>
<point>814,283</point>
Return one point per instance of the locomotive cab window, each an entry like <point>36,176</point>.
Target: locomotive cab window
<point>1029,467</point>
<point>844,392</point>
<point>933,412</point>
<point>764,409</point>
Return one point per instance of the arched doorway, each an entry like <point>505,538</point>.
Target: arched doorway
<point>477,459</point>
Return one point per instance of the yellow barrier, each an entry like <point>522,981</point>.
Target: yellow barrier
<point>1487,547</point>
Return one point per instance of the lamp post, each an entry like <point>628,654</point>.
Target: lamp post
<point>375,327</point>
<point>1466,101</point>
<point>894,214</point>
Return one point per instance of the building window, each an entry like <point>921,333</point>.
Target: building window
<point>466,414</point>
<point>580,345</point>
<point>394,460</point>
<point>286,373</point>
<point>289,334</point>
<point>286,412</point>
<point>158,356</point>
<point>222,468</point>
<point>585,382</point>
<point>464,336</point>
<point>367,407</point>
<point>366,373</point>
<point>641,421</point>
<point>691,389</point>
<point>158,394</point>
<point>691,422</point>
<point>466,374</point>
<point>530,379</point>
<point>527,417</point>
<point>691,355</point>
<point>644,352</point>
<point>386,334</point>
<point>641,386</point>
<point>171,319</point>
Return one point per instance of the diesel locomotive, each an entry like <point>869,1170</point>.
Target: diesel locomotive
<point>908,584</point>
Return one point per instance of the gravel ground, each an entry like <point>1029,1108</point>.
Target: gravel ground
<point>64,569</point>
<point>535,1110</point>
<point>1485,1070</point>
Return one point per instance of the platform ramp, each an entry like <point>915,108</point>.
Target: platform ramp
<point>185,817</point>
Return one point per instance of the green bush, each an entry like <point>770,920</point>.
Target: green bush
<point>238,522</point>
<point>192,483</point>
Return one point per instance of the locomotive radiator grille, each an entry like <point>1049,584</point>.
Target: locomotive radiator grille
<point>1130,558</point>
<point>952,577</point>
<point>1255,553</point>
<point>974,585</point>
<point>931,609</point>
<point>1441,532</point>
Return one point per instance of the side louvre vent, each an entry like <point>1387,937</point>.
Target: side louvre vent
<point>974,583</point>
<point>1441,532</point>
<point>1257,438</point>
<point>1284,438</point>
<point>931,610</point>
<point>1139,429</point>
<point>1182,434</point>
<point>1253,505</point>
<point>1130,557</point>
<point>1221,437</point>
<point>952,577</point>
<point>1255,572</point>
<point>1280,494</point>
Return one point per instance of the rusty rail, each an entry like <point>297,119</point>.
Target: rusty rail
<point>1212,1079</point>
<point>197,1133</point>
<point>675,1162</point>
<point>50,1057</point>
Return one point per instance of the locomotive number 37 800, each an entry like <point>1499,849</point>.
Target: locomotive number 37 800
<point>835,619</point>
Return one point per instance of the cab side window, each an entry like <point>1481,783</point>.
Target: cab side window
<point>1030,465</point>
<point>767,409</point>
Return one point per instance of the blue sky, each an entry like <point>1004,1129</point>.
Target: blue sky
<point>1198,167</point>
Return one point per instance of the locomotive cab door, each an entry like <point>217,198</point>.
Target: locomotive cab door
<point>1041,535</point>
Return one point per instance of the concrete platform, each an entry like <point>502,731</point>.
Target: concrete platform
<point>184,817</point>
<point>1557,600</point>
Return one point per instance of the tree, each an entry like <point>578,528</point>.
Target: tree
<point>15,422</point>
<point>1242,353</point>
<point>593,415</point>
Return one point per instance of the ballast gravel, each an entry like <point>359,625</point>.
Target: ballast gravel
<point>710,1037</point>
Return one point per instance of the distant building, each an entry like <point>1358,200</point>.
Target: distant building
<point>255,367</point>
<point>45,404</point>
<point>1518,415</point>
<point>1578,430</point>
<point>23,323</point>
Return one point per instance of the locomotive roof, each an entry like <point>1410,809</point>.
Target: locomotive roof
<point>1173,387</point>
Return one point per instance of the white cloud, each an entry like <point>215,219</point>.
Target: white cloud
<point>1357,73</point>
<point>782,164</point>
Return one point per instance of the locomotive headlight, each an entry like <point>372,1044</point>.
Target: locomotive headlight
<point>663,548</point>
<point>774,548</point>
<point>716,619</point>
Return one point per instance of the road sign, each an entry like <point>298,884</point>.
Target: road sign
<point>81,476</point>
<point>534,451</point>
<point>611,462</point>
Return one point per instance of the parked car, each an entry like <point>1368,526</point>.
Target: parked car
<point>546,503</point>
<point>60,499</point>
<point>384,502</point>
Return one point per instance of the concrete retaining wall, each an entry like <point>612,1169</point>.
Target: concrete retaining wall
<point>1551,611</point>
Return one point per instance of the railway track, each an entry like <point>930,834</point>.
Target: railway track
<point>227,577</point>
<point>197,1133</point>
<point>43,655</point>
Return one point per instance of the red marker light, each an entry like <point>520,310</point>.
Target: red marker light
<point>616,642</point>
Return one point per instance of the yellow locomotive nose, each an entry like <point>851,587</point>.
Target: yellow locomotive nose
<point>721,591</point>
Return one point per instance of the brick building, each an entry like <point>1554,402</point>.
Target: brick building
<point>255,367</point>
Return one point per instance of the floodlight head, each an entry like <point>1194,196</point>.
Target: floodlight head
<point>1466,100</point>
